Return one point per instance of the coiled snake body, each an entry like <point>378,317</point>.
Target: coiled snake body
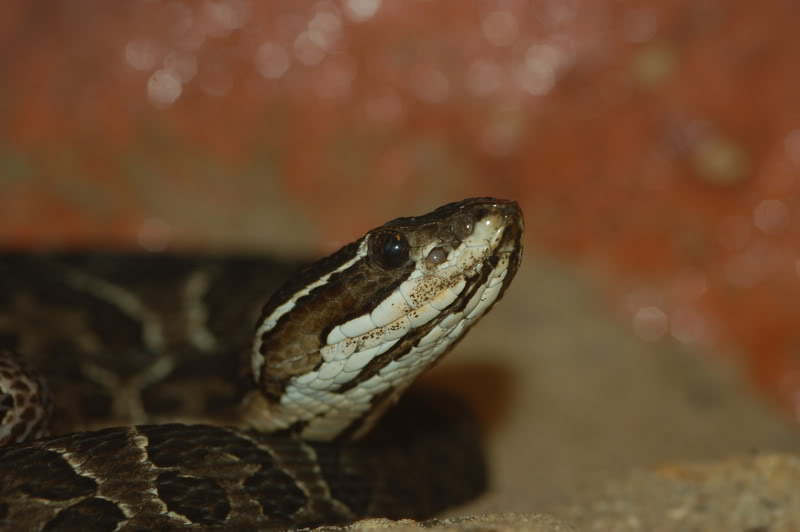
<point>134,394</point>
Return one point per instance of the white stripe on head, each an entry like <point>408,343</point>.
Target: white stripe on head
<point>270,321</point>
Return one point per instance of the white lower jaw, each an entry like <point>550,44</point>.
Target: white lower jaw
<point>312,398</point>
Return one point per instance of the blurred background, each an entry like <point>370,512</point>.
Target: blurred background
<point>653,144</point>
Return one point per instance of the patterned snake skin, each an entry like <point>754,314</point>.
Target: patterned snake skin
<point>135,396</point>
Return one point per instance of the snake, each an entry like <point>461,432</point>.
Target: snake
<point>170,391</point>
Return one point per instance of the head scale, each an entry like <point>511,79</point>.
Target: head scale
<point>339,342</point>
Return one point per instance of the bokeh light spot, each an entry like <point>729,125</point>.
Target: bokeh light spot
<point>272,60</point>
<point>500,28</point>
<point>226,15</point>
<point>154,234</point>
<point>337,77</point>
<point>385,108</point>
<point>483,77</point>
<point>654,64</point>
<point>307,51</point>
<point>164,87</point>
<point>537,73</point>
<point>650,323</point>
<point>361,10</point>
<point>325,26</point>
<point>687,325</point>
<point>770,215</point>
<point>719,160</point>
<point>142,54</point>
<point>752,265</point>
<point>183,64</point>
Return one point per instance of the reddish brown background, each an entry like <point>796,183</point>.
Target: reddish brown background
<point>655,142</point>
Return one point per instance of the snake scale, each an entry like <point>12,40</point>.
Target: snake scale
<point>168,391</point>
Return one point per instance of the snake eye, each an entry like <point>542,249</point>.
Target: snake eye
<point>463,226</point>
<point>389,249</point>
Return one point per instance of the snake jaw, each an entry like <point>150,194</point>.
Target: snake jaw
<point>340,342</point>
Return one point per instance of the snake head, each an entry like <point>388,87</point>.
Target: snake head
<point>343,339</point>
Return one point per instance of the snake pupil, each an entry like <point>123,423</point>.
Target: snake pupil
<point>389,249</point>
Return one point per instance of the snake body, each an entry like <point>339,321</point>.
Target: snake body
<point>168,412</point>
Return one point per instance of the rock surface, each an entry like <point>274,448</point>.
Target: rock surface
<point>509,522</point>
<point>752,493</point>
<point>581,417</point>
<point>756,493</point>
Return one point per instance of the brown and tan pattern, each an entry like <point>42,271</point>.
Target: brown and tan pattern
<point>24,406</point>
<point>170,412</point>
<point>168,476</point>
